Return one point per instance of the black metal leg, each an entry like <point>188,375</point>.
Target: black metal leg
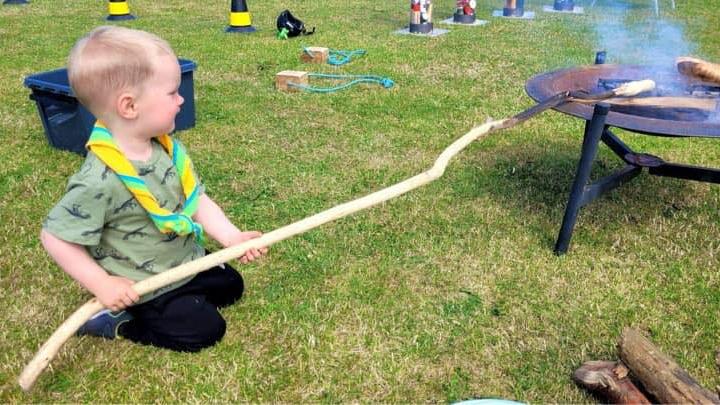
<point>680,171</point>
<point>593,132</point>
<point>593,191</point>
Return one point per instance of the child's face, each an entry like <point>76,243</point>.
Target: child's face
<point>159,102</point>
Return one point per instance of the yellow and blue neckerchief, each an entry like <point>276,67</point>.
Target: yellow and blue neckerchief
<point>102,144</point>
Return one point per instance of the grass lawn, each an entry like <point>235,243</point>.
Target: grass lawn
<point>447,293</point>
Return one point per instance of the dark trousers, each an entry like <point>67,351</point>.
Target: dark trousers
<point>186,319</point>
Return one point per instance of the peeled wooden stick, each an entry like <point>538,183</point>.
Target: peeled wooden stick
<point>49,350</point>
<point>697,103</point>
<point>629,89</point>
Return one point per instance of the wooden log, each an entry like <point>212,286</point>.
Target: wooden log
<point>659,374</point>
<point>609,381</point>
<point>699,69</point>
<point>315,54</point>
<point>697,103</point>
<point>284,79</point>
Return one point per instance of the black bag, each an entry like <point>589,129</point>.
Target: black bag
<point>291,24</point>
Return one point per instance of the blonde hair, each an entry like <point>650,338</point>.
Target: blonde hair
<point>110,59</point>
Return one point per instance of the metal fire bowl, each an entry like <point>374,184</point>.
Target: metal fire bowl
<point>545,85</point>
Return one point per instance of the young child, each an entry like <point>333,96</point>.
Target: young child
<point>136,207</point>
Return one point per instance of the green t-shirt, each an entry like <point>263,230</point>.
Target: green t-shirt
<point>98,212</point>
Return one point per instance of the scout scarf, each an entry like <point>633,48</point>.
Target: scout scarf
<point>101,143</point>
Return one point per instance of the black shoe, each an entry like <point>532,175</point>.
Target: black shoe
<point>104,324</point>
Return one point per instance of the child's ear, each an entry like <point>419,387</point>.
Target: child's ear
<point>126,106</point>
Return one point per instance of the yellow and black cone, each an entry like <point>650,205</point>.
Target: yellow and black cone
<point>119,10</point>
<point>14,2</point>
<point>240,18</point>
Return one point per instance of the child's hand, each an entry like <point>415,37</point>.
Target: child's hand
<point>117,294</point>
<point>251,254</point>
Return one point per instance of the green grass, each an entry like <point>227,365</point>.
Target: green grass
<point>450,292</point>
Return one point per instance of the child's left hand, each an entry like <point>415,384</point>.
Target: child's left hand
<point>251,254</point>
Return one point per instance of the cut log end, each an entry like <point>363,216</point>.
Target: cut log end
<point>609,381</point>
<point>698,69</point>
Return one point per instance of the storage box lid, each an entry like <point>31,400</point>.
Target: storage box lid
<point>56,81</point>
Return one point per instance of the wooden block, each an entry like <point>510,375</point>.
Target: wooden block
<point>315,54</point>
<point>290,76</point>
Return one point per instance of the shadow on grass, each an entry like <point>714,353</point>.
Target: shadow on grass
<point>533,181</point>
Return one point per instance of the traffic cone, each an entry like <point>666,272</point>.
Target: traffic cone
<point>240,19</point>
<point>119,10</point>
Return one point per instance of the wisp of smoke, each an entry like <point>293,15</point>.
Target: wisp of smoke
<point>627,39</point>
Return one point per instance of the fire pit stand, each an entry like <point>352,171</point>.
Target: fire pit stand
<point>582,193</point>
<point>599,119</point>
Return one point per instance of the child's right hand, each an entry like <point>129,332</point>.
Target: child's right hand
<point>116,293</point>
<point>251,254</point>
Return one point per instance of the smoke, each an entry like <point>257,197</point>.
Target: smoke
<point>633,38</point>
<point>631,33</point>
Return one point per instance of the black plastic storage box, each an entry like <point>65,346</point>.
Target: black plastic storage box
<point>68,124</point>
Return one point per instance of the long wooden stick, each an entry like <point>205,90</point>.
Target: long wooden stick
<point>49,350</point>
<point>697,103</point>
